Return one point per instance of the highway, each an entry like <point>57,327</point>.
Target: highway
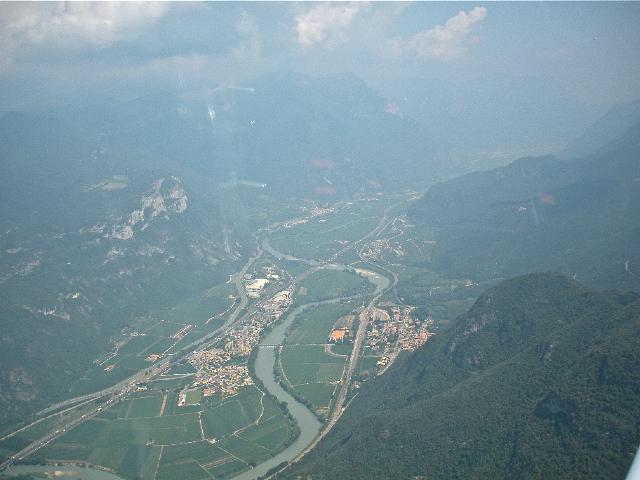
<point>345,384</point>
<point>118,391</point>
<point>121,389</point>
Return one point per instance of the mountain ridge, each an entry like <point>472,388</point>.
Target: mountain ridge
<point>578,216</point>
<point>518,388</point>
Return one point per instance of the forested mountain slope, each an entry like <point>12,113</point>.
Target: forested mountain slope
<point>542,214</point>
<point>82,255</point>
<point>110,211</point>
<point>530,383</point>
<point>608,128</point>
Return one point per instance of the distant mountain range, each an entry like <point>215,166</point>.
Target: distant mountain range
<point>539,379</point>
<point>607,129</point>
<point>492,119</point>
<point>578,216</point>
<point>113,210</point>
<point>294,133</point>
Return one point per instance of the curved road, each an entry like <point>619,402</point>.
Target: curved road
<point>116,392</point>
<point>311,434</point>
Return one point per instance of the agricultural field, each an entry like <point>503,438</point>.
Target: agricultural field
<point>329,283</point>
<point>148,436</point>
<point>344,349</point>
<point>320,237</point>
<point>308,366</point>
<point>200,308</point>
<point>21,439</point>
<point>311,372</point>
<point>367,365</point>
<point>314,326</point>
<point>162,333</point>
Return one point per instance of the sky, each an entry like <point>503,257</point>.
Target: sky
<point>66,53</point>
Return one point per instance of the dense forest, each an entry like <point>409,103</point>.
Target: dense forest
<point>530,383</point>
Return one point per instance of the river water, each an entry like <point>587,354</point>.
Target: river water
<point>264,368</point>
<point>307,422</point>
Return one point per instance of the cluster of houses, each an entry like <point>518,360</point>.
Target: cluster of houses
<point>219,369</point>
<point>395,329</point>
<point>225,380</point>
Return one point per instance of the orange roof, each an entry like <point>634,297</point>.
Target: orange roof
<point>337,335</point>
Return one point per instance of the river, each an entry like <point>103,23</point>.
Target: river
<point>308,423</point>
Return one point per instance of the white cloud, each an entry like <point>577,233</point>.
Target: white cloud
<point>324,23</point>
<point>72,24</point>
<point>446,41</point>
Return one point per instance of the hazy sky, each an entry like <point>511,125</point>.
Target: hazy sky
<point>58,53</point>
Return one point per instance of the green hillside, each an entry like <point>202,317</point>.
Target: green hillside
<point>579,217</point>
<point>532,382</point>
<point>111,212</point>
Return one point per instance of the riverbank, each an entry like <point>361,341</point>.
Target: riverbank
<point>265,370</point>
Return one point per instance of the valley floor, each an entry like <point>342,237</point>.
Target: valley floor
<point>178,395</point>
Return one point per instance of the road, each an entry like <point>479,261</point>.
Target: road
<point>121,389</point>
<point>345,385</point>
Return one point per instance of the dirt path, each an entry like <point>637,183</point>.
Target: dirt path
<point>164,403</point>
<point>200,423</point>
<point>329,351</point>
<point>155,474</point>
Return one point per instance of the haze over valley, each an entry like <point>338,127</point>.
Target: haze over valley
<point>319,240</point>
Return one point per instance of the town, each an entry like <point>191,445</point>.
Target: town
<point>222,368</point>
<point>390,330</point>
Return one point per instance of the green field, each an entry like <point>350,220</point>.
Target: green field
<point>367,365</point>
<point>314,326</point>
<point>170,383</point>
<point>319,394</point>
<point>328,283</point>
<point>199,308</point>
<point>137,345</point>
<point>226,468</point>
<point>271,433</point>
<point>134,441</point>
<point>234,413</point>
<point>96,378</point>
<point>193,397</point>
<point>186,470</point>
<point>342,349</point>
<point>321,237</point>
<point>248,429</point>
<point>164,328</point>
<point>312,373</point>
<point>160,346</point>
<point>144,407</point>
